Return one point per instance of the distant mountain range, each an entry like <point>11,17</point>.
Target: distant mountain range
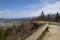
<point>22,19</point>
<point>14,20</point>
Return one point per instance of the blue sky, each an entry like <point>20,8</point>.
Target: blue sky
<point>27,8</point>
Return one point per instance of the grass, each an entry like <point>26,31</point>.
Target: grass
<point>43,34</point>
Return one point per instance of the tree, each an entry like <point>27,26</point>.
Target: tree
<point>49,18</point>
<point>57,17</point>
<point>42,16</point>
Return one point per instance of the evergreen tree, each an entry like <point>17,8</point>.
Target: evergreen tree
<point>42,16</point>
<point>57,17</point>
<point>49,17</point>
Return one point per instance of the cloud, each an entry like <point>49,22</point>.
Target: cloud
<point>48,9</point>
<point>52,8</point>
<point>5,11</point>
<point>45,6</point>
<point>1,12</point>
<point>23,12</point>
<point>48,1</point>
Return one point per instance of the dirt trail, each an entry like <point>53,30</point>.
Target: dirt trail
<point>54,33</point>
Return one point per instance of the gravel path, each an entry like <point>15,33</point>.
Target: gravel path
<point>54,33</point>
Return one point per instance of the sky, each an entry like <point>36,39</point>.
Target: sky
<point>27,8</point>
